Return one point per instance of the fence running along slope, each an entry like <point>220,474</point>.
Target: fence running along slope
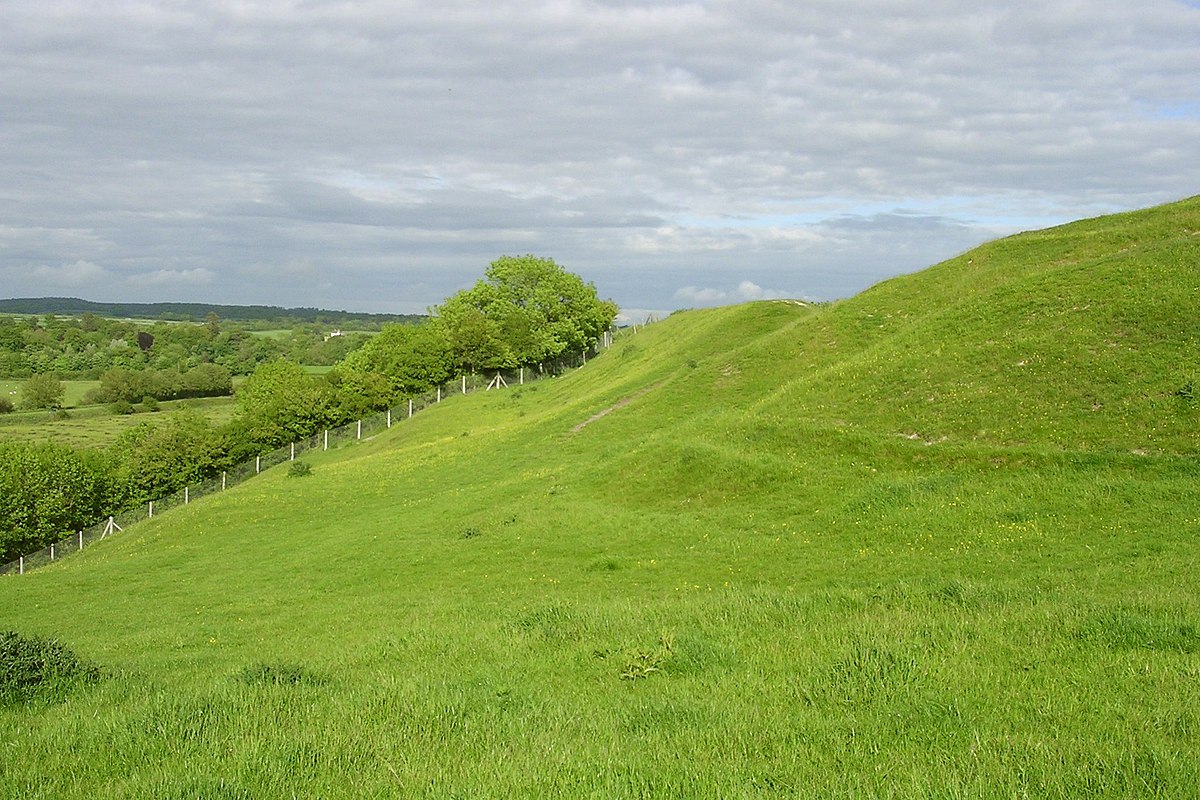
<point>324,440</point>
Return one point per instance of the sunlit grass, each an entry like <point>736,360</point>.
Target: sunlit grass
<point>773,567</point>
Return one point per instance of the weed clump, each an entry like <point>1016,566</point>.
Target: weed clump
<point>278,675</point>
<point>644,662</point>
<point>31,666</point>
<point>299,469</point>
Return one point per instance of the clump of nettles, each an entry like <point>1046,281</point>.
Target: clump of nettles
<point>299,469</point>
<point>31,667</point>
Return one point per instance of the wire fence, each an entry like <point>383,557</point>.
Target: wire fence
<point>328,439</point>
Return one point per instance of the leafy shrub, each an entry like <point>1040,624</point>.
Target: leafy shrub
<point>122,407</point>
<point>299,469</point>
<point>31,665</point>
<point>150,403</point>
<point>6,406</point>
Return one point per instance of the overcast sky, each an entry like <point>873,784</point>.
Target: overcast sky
<point>377,156</point>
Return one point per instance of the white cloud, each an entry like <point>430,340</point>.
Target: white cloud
<point>745,291</point>
<point>67,276</point>
<point>198,276</point>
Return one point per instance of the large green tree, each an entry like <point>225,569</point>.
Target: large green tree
<point>42,391</point>
<point>160,458</point>
<point>281,403</point>
<point>47,491</point>
<point>526,310</point>
<point>411,358</point>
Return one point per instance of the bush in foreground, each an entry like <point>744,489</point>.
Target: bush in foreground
<point>32,666</point>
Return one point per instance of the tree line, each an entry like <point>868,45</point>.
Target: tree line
<point>273,316</point>
<point>83,348</point>
<point>526,312</point>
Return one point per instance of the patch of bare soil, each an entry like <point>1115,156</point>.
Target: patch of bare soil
<point>615,406</point>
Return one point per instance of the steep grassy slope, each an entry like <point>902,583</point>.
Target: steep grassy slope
<point>741,554</point>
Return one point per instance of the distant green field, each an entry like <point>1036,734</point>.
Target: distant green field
<point>72,396</point>
<point>934,541</point>
<point>98,426</point>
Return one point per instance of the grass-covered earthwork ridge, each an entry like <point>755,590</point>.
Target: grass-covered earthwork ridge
<point>937,540</point>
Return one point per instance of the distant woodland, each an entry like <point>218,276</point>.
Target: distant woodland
<point>192,312</point>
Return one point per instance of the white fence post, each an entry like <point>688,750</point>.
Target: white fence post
<point>222,480</point>
<point>522,382</point>
<point>81,540</point>
<point>464,383</point>
<point>389,418</point>
<point>439,394</point>
<point>410,406</point>
<point>150,513</point>
<point>293,458</point>
<point>51,552</point>
<point>257,464</point>
<point>186,496</point>
<point>20,565</point>
<point>326,446</point>
<point>358,435</point>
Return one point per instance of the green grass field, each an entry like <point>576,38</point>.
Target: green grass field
<point>97,426</point>
<point>937,540</point>
<point>73,391</point>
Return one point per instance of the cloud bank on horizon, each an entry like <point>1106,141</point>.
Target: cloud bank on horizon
<point>376,155</point>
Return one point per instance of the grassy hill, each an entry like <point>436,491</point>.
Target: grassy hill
<point>937,540</point>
